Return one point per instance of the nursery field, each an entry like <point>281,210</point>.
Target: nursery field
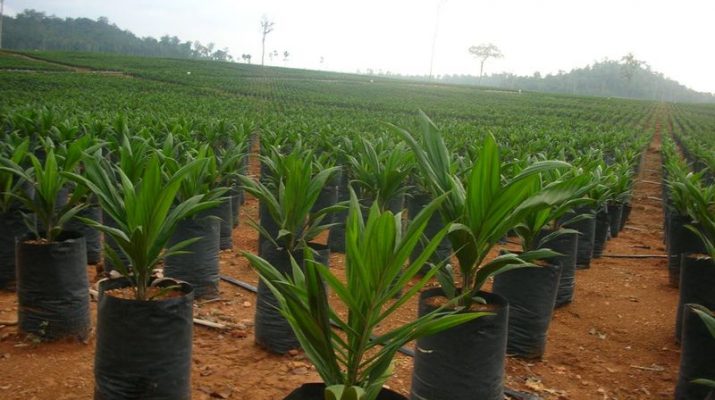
<point>609,184</point>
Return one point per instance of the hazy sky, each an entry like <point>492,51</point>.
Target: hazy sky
<point>674,37</point>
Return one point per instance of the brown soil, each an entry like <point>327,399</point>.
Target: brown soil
<point>152,293</point>
<point>615,341</point>
<point>441,301</point>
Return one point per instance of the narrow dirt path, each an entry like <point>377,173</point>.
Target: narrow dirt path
<point>616,340</point>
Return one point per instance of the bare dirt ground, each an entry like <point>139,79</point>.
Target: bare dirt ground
<point>615,341</point>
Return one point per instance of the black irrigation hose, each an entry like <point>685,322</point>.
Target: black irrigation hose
<point>636,256</point>
<point>240,284</point>
<point>404,350</point>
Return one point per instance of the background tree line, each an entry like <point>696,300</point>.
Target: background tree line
<point>606,78</point>
<point>34,30</point>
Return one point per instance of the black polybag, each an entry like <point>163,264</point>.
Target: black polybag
<point>199,266</point>
<point>143,347</point>
<point>531,293</point>
<point>12,226</point>
<point>615,214</point>
<point>92,237</point>
<point>272,331</point>
<point>696,358</point>
<point>680,240</point>
<point>52,287</point>
<point>224,213</point>
<point>566,245</point>
<point>697,285</point>
<point>269,225</point>
<point>236,196</point>
<point>465,362</point>
<point>587,232</point>
<point>601,235</point>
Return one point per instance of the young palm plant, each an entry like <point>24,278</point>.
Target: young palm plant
<point>381,172</point>
<point>532,292</point>
<point>48,180</point>
<point>50,262</point>
<point>144,213</point>
<point>287,198</point>
<point>199,263</point>
<point>687,204</point>
<point>355,365</point>
<point>137,313</point>
<point>701,209</point>
<point>697,268</point>
<point>544,225</point>
<point>482,209</point>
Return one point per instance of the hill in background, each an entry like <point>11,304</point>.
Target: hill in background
<point>34,30</point>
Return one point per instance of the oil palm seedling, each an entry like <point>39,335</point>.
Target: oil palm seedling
<point>583,218</point>
<point>688,197</point>
<point>47,182</point>
<point>287,199</point>
<point>130,153</point>
<point>136,314</point>
<point>229,147</point>
<point>50,262</point>
<point>144,211</point>
<point>356,364</point>
<point>380,172</point>
<point>198,264</point>
<point>697,269</point>
<point>532,292</point>
<point>482,210</point>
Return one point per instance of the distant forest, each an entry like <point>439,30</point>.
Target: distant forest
<point>34,30</point>
<point>628,77</point>
<point>631,79</point>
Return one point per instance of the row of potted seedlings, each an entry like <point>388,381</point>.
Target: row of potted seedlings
<point>689,203</point>
<point>154,200</point>
<point>463,355</point>
<point>159,200</point>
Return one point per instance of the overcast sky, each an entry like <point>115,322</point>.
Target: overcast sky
<point>674,37</point>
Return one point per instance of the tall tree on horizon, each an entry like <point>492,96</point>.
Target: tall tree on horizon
<point>630,65</point>
<point>266,28</point>
<point>483,52</point>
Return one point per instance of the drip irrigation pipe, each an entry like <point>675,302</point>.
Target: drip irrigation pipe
<point>635,256</point>
<point>404,350</point>
<point>240,284</point>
